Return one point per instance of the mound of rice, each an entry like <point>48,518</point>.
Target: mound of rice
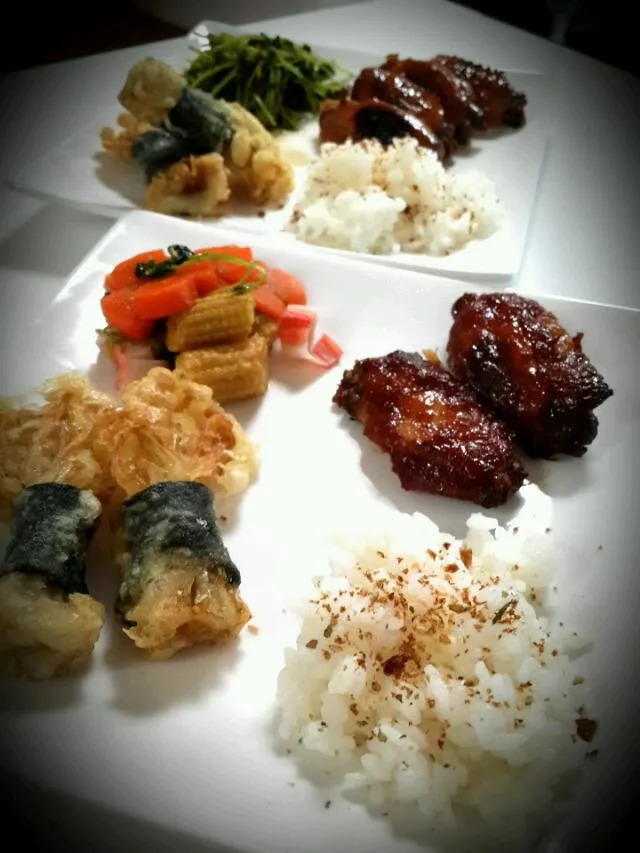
<point>424,673</point>
<point>363,197</point>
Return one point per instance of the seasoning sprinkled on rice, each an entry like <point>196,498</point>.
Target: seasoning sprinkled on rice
<point>440,688</point>
<point>363,197</point>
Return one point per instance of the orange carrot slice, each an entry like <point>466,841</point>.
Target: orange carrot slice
<point>117,308</point>
<point>268,302</point>
<point>124,274</point>
<point>289,288</point>
<point>164,298</point>
<point>204,275</point>
<point>228,270</point>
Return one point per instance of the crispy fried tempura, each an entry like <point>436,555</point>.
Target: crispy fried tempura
<point>168,428</point>
<point>255,163</point>
<point>194,186</point>
<point>53,443</point>
<point>120,143</point>
<point>185,606</point>
<point>42,632</point>
<point>151,89</point>
<point>252,166</point>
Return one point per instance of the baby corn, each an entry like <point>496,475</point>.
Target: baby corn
<point>220,317</point>
<point>232,371</point>
<point>266,328</point>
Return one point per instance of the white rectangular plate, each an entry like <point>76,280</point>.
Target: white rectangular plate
<point>78,173</point>
<point>187,744</point>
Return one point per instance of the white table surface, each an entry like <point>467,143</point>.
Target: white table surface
<point>583,242</point>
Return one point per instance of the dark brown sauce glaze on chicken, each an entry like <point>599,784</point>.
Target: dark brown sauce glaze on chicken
<point>440,102</point>
<point>522,363</point>
<point>439,438</point>
<point>500,103</point>
<point>398,90</point>
<point>455,93</point>
<point>344,119</point>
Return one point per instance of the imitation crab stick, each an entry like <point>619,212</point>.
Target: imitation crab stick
<point>132,365</point>
<point>297,325</point>
<point>123,275</point>
<point>296,332</point>
<point>327,350</point>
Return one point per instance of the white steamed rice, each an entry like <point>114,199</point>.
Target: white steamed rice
<point>401,677</point>
<point>363,197</point>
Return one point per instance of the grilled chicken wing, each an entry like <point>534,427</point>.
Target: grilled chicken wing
<point>501,104</point>
<point>521,362</point>
<point>439,438</point>
<point>345,119</point>
<point>455,93</point>
<point>395,89</point>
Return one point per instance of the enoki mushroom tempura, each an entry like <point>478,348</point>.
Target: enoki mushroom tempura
<point>165,428</point>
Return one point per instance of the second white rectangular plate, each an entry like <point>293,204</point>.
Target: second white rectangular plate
<point>79,173</point>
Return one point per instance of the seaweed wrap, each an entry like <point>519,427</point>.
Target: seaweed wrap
<point>179,584</point>
<point>205,121</point>
<point>156,149</point>
<point>49,623</point>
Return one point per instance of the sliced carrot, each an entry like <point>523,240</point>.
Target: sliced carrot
<point>118,310</point>
<point>268,302</point>
<point>245,253</point>
<point>258,273</point>
<point>164,298</point>
<point>204,275</point>
<point>228,270</point>
<point>124,274</point>
<point>289,288</point>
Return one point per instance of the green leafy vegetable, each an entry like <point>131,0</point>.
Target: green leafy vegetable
<point>159,269</point>
<point>277,80</point>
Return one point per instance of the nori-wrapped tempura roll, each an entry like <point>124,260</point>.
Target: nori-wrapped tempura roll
<point>179,584</point>
<point>49,623</point>
<point>205,121</point>
<point>156,149</point>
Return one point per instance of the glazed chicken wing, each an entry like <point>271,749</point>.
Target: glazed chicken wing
<point>492,92</point>
<point>455,93</point>
<point>384,85</point>
<point>529,370</point>
<point>345,119</point>
<point>439,438</point>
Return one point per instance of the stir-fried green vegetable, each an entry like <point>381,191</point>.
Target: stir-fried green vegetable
<point>280,82</point>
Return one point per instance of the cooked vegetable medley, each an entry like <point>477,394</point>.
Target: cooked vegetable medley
<point>213,314</point>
